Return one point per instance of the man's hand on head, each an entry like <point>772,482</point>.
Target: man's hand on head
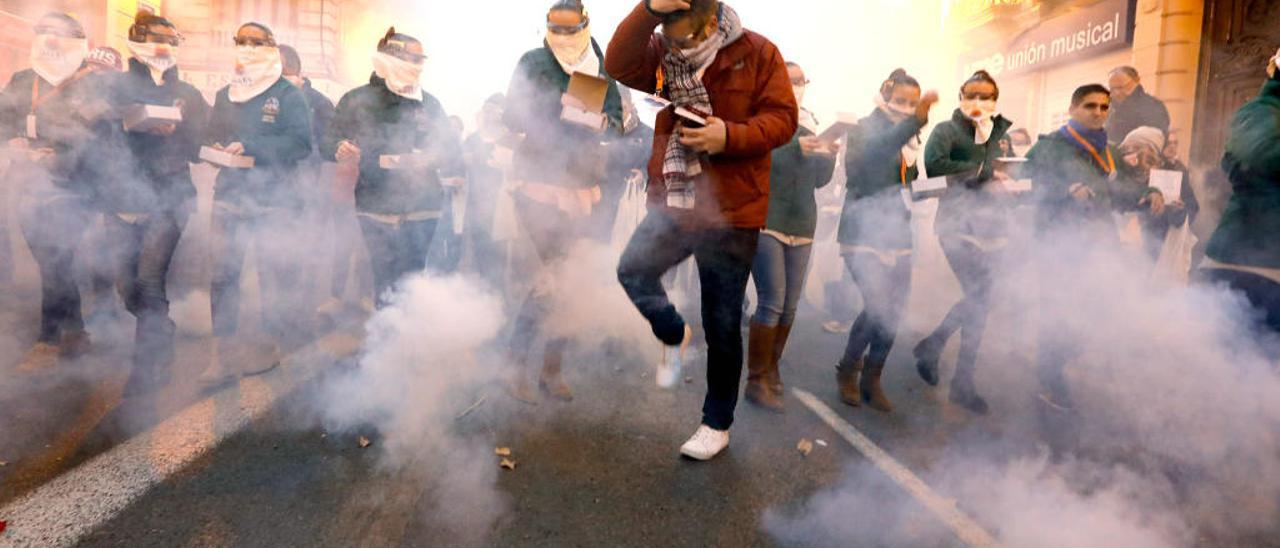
<point>667,6</point>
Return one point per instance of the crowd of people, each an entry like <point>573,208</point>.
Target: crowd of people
<point>731,168</point>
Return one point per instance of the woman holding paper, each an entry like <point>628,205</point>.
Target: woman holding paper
<point>875,231</point>
<point>150,197</point>
<point>972,226</point>
<point>782,257</point>
<point>401,139</point>
<point>559,165</point>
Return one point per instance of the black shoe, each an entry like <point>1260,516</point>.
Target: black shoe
<point>968,398</point>
<point>927,355</point>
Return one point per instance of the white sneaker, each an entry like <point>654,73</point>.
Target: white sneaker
<point>673,361</point>
<point>705,444</point>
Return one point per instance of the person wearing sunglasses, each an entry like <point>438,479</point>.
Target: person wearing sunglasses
<point>972,224</point>
<point>263,116</point>
<point>149,194</point>
<point>42,116</point>
<point>558,168</point>
<point>875,233</point>
<point>799,169</point>
<point>708,182</point>
<point>399,209</point>
<point>1077,185</point>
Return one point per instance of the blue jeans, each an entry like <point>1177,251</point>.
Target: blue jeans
<point>723,256</point>
<point>884,289</point>
<point>780,271</point>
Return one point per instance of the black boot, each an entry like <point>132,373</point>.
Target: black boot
<point>927,354</point>
<point>965,395</point>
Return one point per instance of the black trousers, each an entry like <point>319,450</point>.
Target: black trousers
<point>724,257</point>
<point>975,269</point>
<point>144,249</point>
<point>396,250</point>
<point>53,225</point>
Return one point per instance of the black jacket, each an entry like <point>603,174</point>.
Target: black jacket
<point>61,124</point>
<point>1139,110</point>
<point>874,212</point>
<point>383,123</point>
<point>157,171</point>
<point>952,152</point>
<point>321,114</point>
<point>555,152</point>
<point>275,129</point>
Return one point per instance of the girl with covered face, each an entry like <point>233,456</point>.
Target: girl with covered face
<point>399,207</point>
<point>875,231</point>
<point>972,226</point>
<point>47,115</point>
<point>558,168</point>
<point>151,195</point>
<point>263,116</point>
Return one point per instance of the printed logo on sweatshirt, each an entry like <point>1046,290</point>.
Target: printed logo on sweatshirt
<point>270,109</point>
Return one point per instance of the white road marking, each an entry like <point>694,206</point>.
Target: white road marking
<point>964,527</point>
<point>67,508</point>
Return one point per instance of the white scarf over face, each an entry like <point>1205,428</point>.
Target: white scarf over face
<point>403,78</point>
<point>257,69</point>
<point>157,57</point>
<point>983,116</point>
<point>573,52</point>
<point>56,58</point>
<point>910,151</point>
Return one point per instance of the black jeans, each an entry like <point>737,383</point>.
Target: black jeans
<point>275,237</point>
<point>145,247</point>
<point>724,257</point>
<point>395,250</point>
<point>1261,292</point>
<point>552,232</point>
<point>884,289</point>
<point>975,269</point>
<point>53,225</point>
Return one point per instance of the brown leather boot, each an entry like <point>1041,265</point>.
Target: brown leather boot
<point>75,344</point>
<point>847,381</point>
<point>869,385</point>
<point>779,345</point>
<point>760,367</point>
<point>551,381</point>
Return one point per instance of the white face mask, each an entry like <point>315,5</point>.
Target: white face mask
<point>570,50</point>
<point>799,93</point>
<point>160,57</point>
<point>56,58</point>
<point>977,110</point>
<point>403,78</point>
<point>257,69</point>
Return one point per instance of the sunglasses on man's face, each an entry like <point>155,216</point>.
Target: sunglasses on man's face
<point>565,30</point>
<point>50,30</point>
<point>253,41</point>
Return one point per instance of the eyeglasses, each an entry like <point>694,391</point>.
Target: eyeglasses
<point>254,42</point>
<point>396,48</point>
<point>174,40</point>
<point>979,96</point>
<point>799,81</point>
<point>565,30</point>
<point>57,31</point>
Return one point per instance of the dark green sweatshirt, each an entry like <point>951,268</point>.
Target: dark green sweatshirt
<point>874,213</point>
<point>792,180</point>
<point>1249,233</point>
<point>275,129</point>
<point>952,152</point>
<point>1056,163</point>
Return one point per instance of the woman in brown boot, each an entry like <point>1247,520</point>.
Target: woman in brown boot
<point>875,231</point>
<point>782,256</point>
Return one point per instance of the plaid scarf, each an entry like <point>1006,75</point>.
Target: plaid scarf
<point>682,73</point>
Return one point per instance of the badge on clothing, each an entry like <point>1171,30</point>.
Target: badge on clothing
<point>270,109</point>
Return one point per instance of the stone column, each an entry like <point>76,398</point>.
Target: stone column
<point>1166,52</point>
